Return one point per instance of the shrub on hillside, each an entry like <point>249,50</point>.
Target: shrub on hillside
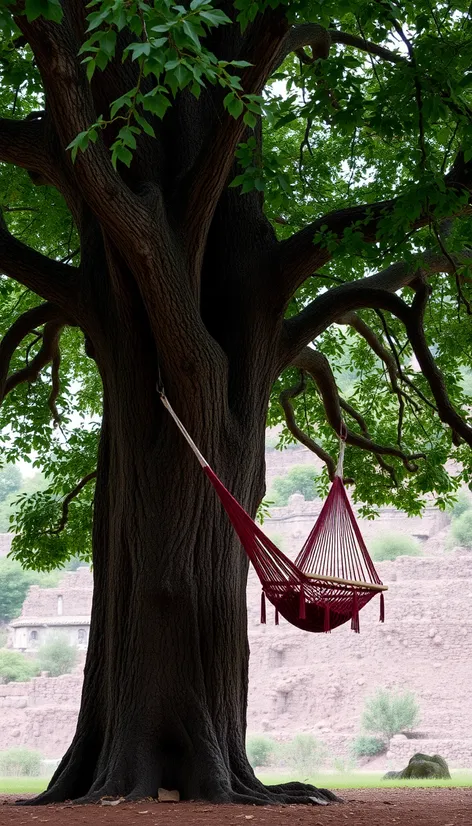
<point>304,753</point>
<point>462,529</point>
<point>15,667</point>
<point>389,547</point>
<point>463,503</point>
<point>57,656</point>
<point>299,479</point>
<point>387,714</point>
<point>19,762</point>
<point>259,750</point>
<point>366,745</point>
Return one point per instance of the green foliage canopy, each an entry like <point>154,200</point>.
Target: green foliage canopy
<point>374,109</point>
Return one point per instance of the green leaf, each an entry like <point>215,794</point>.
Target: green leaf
<point>192,33</point>
<point>250,119</point>
<point>215,17</point>
<point>120,153</point>
<point>49,9</point>
<point>233,104</point>
<point>145,125</point>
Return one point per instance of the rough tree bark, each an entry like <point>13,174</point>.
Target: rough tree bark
<point>165,691</point>
<point>178,271</point>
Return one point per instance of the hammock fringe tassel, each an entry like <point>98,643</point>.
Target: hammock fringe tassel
<point>355,624</point>
<point>263,609</point>
<point>302,607</point>
<point>327,619</point>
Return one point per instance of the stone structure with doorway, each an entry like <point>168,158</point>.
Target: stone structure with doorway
<point>47,612</point>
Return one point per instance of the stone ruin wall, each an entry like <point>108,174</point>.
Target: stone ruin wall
<point>75,589</point>
<point>317,684</point>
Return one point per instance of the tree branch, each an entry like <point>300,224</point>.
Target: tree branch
<point>68,499</point>
<point>70,103</point>
<point>24,325</point>
<point>44,355</point>
<point>55,385</point>
<point>49,279</point>
<point>429,368</point>
<point>211,170</point>
<point>23,143</point>
<point>320,39</point>
<point>285,400</point>
<point>377,291</point>
<point>317,365</point>
<point>298,257</point>
<point>358,324</point>
<point>348,39</point>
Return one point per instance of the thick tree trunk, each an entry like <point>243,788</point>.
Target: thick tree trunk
<point>165,690</point>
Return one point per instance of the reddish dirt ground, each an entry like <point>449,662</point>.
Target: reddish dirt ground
<point>367,807</point>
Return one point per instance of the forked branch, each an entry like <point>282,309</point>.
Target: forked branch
<point>25,324</point>
<point>44,356</point>
<point>319,40</point>
<point>285,399</point>
<point>317,365</point>
<point>429,368</point>
<point>67,501</point>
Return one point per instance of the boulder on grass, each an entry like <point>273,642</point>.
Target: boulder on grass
<point>422,767</point>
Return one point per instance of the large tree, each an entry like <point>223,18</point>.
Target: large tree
<point>199,192</point>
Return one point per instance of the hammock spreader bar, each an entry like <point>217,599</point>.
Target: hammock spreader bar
<point>332,578</point>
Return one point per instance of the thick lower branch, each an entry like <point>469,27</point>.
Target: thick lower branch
<point>285,400</point>
<point>317,365</point>
<point>50,279</point>
<point>45,354</point>
<point>24,325</point>
<point>23,143</point>
<point>429,368</point>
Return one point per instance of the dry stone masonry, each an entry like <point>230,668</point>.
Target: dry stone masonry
<point>313,683</point>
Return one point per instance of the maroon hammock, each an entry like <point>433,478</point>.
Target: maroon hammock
<point>333,576</point>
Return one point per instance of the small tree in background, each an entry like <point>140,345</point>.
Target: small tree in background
<point>10,481</point>
<point>462,529</point>
<point>392,546</point>
<point>299,479</point>
<point>387,714</point>
<point>15,668</point>
<point>57,656</point>
<point>259,750</point>
<point>14,585</point>
<point>462,504</point>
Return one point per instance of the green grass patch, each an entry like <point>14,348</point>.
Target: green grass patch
<point>366,780</point>
<point>22,785</point>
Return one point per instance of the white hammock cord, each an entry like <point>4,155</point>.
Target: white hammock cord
<point>165,401</point>
<point>342,448</point>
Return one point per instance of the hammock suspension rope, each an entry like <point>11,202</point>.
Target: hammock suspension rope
<point>333,576</point>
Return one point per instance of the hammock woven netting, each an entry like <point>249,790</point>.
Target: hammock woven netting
<point>333,576</point>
